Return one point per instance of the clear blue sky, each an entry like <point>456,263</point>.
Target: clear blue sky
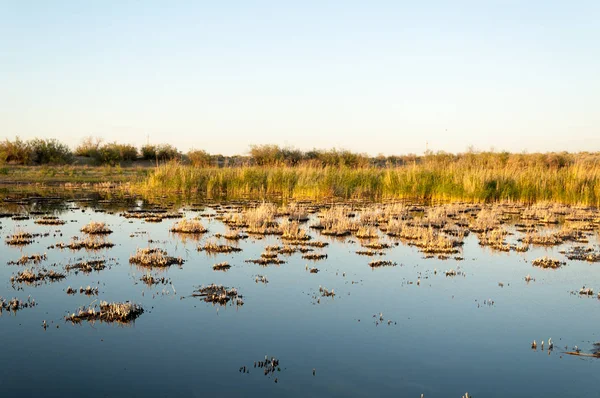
<point>369,76</point>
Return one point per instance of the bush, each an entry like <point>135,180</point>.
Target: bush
<point>199,158</point>
<point>163,152</point>
<point>89,147</point>
<point>113,153</point>
<point>49,151</point>
<point>17,152</point>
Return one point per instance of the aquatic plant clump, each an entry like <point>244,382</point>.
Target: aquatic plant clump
<point>96,228</point>
<point>218,294</point>
<point>314,256</point>
<point>547,262</point>
<point>224,266</point>
<point>382,263</point>
<point>30,276</point>
<point>88,244</point>
<point>87,266</point>
<point>188,227</point>
<point>34,258</point>
<point>50,220</point>
<point>15,304</point>
<point>107,312</point>
<point>20,239</point>
<point>150,280</point>
<point>154,257</point>
<point>212,247</point>
<point>267,261</point>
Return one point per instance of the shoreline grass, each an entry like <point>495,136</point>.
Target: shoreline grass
<point>477,178</point>
<point>576,184</point>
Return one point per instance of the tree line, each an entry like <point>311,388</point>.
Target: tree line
<point>39,151</point>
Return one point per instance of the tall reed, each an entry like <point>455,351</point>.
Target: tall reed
<point>453,180</point>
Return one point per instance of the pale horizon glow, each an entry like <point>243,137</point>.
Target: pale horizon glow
<point>374,77</point>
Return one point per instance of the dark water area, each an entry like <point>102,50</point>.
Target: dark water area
<point>403,330</point>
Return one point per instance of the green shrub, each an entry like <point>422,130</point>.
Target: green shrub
<point>49,151</point>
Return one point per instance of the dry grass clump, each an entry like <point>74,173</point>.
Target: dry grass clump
<point>150,280</point>
<point>314,256</point>
<point>260,220</point>
<point>382,263</point>
<point>369,253</point>
<point>261,279</point>
<point>547,262</point>
<point>435,243</point>
<point>107,312</point>
<point>224,266</point>
<point>582,254</point>
<point>96,228</point>
<point>294,212</point>
<point>188,227</point>
<point>335,221</point>
<point>292,231</point>
<point>87,266</point>
<point>377,245</point>
<point>495,240</point>
<point>20,239</point>
<point>15,304</point>
<point>154,257</point>
<point>49,220</point>
<point>213,247</point>
<point>269,254</point>
<point>540,239</point>
<point>586,291</point>
<point>232,235</point>
<point>88,291</point>
<point>487,220</point>
<point>218,294</point>
<point>266,261</point>
<point>367,233</point>
<point>30,276</point>
<point>325,292</point>
<point>312,243</point>
<point>34,258</point>
<point>89,243</point>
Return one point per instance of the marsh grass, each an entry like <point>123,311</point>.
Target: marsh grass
<point>547,262</point>
<point>107,312</point>
<point>218,294</point>
<point>188,227</point>
<point>96,228</point>
<point>31,276</point>
<point>15,304</point>
<point>34,258</point>
<point>154,257</point>
<point>475,178</point>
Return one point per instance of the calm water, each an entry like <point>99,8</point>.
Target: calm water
<point>442,342</point>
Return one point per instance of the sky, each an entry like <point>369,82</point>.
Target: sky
<point>379,77</point>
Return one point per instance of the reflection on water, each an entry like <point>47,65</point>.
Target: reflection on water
<point>388,319</point>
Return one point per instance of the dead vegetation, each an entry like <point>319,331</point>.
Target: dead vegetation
<point>32,276</point>
<point>123,313</point>
<point>188,227</point>
<point>547,262</point>
<point>96,228</point>
<point>213,247</point>
<point>224,266</point>
<point>15,304</point>
<point>90,243</point>
<point>49,220</point>
<point>87,266</point>
<point>154,257</point>
<point>382,263</point>
<point>34,258</point>
<point>219,294</point>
